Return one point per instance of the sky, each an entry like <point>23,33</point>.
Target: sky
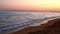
<point>29,4</point>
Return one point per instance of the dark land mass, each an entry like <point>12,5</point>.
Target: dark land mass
<point>51,27</point>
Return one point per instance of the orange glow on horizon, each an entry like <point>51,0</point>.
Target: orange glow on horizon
<point>33,4</point>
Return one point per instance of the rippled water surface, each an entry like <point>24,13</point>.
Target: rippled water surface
<point>15,17</point>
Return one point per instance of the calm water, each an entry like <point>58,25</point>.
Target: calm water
<point>8,18</point>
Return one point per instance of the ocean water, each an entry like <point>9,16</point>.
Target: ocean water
<point>16,19</point>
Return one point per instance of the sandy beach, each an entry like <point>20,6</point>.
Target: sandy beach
<point>51,27</point>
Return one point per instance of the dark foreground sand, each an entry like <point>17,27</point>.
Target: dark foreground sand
<point>51,27</point>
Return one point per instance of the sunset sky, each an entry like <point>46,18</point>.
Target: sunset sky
<point>29,4</point>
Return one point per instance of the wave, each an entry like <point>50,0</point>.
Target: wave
<point>15,20</point>
<point>15,26</point>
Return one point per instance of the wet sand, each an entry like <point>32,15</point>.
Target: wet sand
<point>51,27</point>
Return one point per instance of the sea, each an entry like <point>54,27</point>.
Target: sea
<point>10,20</point>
